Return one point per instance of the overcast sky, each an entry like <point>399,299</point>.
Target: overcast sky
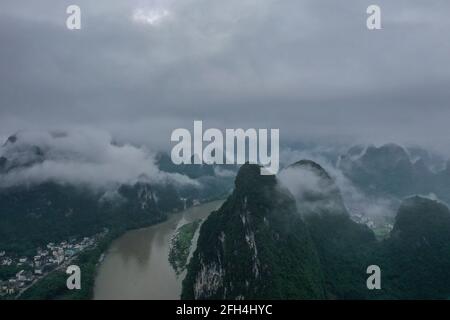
<point>140,69</point>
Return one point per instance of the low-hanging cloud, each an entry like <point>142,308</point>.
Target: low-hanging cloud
<point>304,181</point>
<point>89,157</point>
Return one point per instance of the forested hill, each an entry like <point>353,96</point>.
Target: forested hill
<point>264,243</point>
<point>255,246</point>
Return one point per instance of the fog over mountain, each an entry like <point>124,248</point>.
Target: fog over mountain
<point>139,69</point>
<point>242,248</point>
<point>86,119</point>
<point>88,157</point>
<point>355,199</point>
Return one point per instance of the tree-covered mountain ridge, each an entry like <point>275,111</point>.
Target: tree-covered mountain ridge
<point>393,170</point>
<point>273,239</point>
<point>59,185</point>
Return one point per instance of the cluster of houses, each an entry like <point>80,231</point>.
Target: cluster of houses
<point>364,220</point>
<point>382,228</point>
<point>187,203</point>
<point>46,260</point>
<point>373,222</point>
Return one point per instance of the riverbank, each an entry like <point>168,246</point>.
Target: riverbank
<point>53,285</point>
<point>136,265</point>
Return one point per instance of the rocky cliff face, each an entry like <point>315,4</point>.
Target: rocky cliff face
<point>277,240</point>
<point>255,246</point>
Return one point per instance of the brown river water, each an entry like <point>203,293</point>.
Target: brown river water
<point>136,265</point>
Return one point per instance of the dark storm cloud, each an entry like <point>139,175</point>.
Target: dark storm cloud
<point>310,68</point>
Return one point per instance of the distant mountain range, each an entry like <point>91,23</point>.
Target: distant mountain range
<point>37,212</point>
<point>393,170</point>
<point>276,237</point>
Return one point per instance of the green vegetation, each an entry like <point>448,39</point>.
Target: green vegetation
<point>254,246</point>
<point>382,233</point>
<point>342,246</point>
<point>36,215</point>
<point>181,245</point>
<point>257,246</point>
<point>53,286</point>
<point>7,272</point>
<point>416,256</point>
